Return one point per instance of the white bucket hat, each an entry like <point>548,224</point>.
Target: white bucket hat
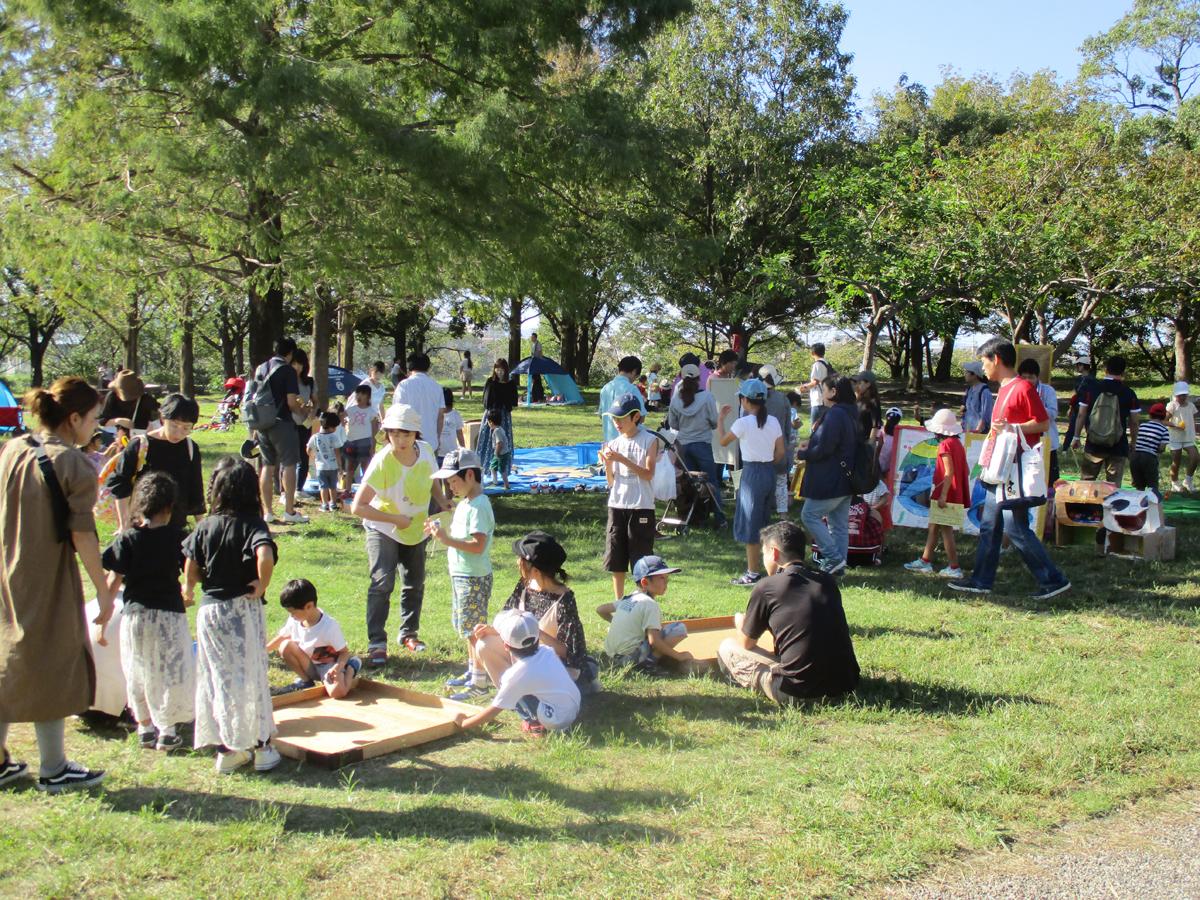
<point>769,371</point>
<point>1181,387</point>
<point>944,422</point>
<point>401,417</point>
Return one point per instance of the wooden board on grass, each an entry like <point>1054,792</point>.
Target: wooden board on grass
<point>374,719</point>
<point>705,635</point>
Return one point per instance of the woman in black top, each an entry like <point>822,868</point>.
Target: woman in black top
<point>303,420</point>
<point>499,393</point>
<point>127,399</point>
<point>166,449</point>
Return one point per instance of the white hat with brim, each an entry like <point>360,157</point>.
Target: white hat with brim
<point>945,423</point>
<point>1181,388</point>
<point>769,371</point>
<point>401,417</point>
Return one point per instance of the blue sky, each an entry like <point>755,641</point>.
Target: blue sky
<point>996,37</point>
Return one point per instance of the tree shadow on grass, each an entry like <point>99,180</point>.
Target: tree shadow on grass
<point>438,822</point>
<point>874,631</point>
<point>931,699</point>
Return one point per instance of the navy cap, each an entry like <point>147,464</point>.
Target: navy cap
<point>624,405</point>
<point>649,566</point>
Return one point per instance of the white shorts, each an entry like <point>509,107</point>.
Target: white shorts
<point>1174,445</point>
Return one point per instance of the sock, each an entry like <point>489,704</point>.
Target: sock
<point>169,731</point>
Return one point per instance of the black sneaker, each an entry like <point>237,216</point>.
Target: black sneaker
<point>169,743</point>
<point>147,739</point>
<point>966,586</point>
<point>746,579</point>
<point>1051,592</point>
<point>73,777</point>
<point>12,771</point>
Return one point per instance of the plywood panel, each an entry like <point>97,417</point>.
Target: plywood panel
<point>705,635</point>
<point>373,720</point>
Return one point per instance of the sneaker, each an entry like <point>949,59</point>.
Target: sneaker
<point>1177,487</point>
<point>232,760</point>
<point>147,738</point>
<point>293,518</point>
<point>1051,592</point>
<point>377,657</point>
<point>950,572</point>
<point>269,518</point>
<point>836,569</point>
<point>473,691</point>
<point>459,680</point>
<point>266,758</point>
<point>967,586</point>
<point>412,643</point>
<point>747,578</point>
<point>1189,485</point>
<point>919,565</point>
<point>169,743</point>
<point>12,771</point>
<point>73,777</point>
<point>537,729</point>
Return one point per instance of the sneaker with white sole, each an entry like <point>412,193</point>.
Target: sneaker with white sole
<point>293,518</point>
<point>459,680</point>
<point>168,743</point>
<point>1189,485</point>
<point>269,518</point>
<point>73,777</point>
<point>919,565</point>
<point>951,572</point>
<point>12,771</point>
<point>836,568</point>
<point>966,586</point>
<point>231,760</point>
<point>266,758</point>
<point>473,691</point>
<point>1177,487</point>
<point>1051,592</point>
<point>747,579</point>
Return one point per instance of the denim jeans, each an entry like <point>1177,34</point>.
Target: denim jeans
<point>1016,525</point>
<point>385,556</point>
<point>832,539</point>
<point>698,457</point>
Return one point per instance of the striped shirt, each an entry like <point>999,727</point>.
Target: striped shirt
<point>1152,436</point>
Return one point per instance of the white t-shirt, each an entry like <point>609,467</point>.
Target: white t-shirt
<point>426,396</point>
<point>819,372</point>
<point>378,392</point>
<point>1182,415</point>
<point>325,446</point>
<point>358,421</point>
<point>628,491</point>
<point>881,491</point>
<point>450,428</point>
<point>322,642</point>
<point>757,444</point>
<point>544,676</point>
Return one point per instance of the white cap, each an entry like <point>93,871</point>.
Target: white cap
<point>944,422</point>
<point>517,628</point>
<point>1083,360</point>
<point>1181,387</point>
<point>769,371</point>
<point>402,418</point>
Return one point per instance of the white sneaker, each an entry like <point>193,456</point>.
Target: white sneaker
<point>266,758</point>
<point>1177,487</point>
<point>919,565</point>
<point>950,572</point>
<point>232,761</point>
<point>269,518</point>
<point>293,518</point>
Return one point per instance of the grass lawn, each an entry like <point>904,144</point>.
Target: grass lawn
<point>978,720</point>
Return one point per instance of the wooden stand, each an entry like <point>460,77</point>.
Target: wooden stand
<point>1158,545</point>
<point>374,719</point>
<point>704,637</point>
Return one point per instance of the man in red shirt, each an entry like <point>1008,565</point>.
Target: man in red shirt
<point>1017,406</point>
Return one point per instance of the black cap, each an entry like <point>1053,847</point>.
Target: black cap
<point>250,449</point>
<point>541,551</point>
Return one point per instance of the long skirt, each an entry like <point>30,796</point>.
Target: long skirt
<point>233,698</point>
<point>159,666</point>
<point>755,497</point>
<point>484,447</point>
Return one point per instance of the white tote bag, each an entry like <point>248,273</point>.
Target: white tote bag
<point>998,457</point>
<point>1025,486</point>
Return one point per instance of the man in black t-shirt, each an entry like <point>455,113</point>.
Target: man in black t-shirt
<point>1101,456</point>
<point>280,443</point>
<point>814,656</point>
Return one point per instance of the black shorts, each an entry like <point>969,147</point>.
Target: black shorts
<point>280,444</point>
<point>630,537</point>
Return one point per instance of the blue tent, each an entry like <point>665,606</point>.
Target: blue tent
<point>558,382</point>
<point>342,382</point>
<point>10,410</point>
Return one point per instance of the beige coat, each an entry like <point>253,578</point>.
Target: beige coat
<point>46,669</point>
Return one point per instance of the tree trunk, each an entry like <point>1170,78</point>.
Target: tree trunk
<point>403,321</point>
<point>345,339</point>
<point>322,327</point>
<point>37,351</point>
<point>515,307</point>
<point>228,340</point>
<point>132,332</point>
<point>240,347</point>
<point>569,339</point>
<point>946,359</point>
<point>187,355</point>
<point>1183,348</point>
<point>265,275</point>
<point>916,371</point>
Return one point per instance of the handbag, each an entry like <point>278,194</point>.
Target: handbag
<point>998,457</point>
<point>664,478</point>
<point>1025,486</point>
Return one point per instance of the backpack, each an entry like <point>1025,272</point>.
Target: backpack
<point>830,371</point>
<point>1104,425</point>
<point>864,472</point>
<point>259,409</point>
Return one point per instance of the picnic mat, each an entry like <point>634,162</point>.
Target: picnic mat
<point>550,470</point>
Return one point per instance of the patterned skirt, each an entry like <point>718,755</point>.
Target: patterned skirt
<point>484,447</point>
<point>159,665</point>
<point>233,697</point>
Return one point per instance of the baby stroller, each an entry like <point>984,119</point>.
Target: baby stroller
<point>229,410</point>
<point>693,501</point>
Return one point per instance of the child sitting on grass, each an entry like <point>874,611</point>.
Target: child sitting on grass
<point>468,542</point>
<point>638,637</point>
<point>532,679</point>
<point>156,645</point>
<point>312,644</point>
<point>950,485</point>
<point>501,449</point>
<point>325,448</point>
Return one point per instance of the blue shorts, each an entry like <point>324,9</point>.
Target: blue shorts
<point>327,479</point>
<point>644,653</point>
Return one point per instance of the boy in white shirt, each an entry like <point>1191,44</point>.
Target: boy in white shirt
<point>325,448</point>
<point>629,461</point>
<point>312,644</point>
<point>535,682</point>
<point>637,636</point>
<point>1181,424</point>
<point>451,437</point>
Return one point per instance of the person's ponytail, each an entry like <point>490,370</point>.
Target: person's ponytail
<point>54,405</point>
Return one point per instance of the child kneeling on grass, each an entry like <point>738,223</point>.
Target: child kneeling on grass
<point>637,636</point>
<point>532,679</point>
<point>468,543</point>
<point>232,556</point>
<point>312,644</point>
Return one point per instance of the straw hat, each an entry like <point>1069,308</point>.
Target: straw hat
<point>944,422</point>
<point>127,385</point>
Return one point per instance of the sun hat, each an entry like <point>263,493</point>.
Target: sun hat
<point>1157,411</point>
<point>401,417</point>
<point>456,461</point>
<point>894,412</point>
<point>1083,360</point>
<point>689,370</point>
<point>753,389</point>
<point>649,566</point>
<point>624,405</point>
<point>517,628</point>
<point>769,371</point>
<point>1181,387</point>
<point>122,422</point>
<point>944,422</point>
<point>541,551</point>
<point>864,375</point>
<point>127,385</point>
<point>975,367</point>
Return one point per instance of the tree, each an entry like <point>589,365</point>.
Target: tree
<point>29,317</point>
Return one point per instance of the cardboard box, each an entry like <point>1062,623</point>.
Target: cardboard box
<point>1158,545</point>
<point>471,431</point>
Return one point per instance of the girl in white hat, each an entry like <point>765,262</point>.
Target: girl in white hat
<point>950,485</point>
<point>1181,423</point>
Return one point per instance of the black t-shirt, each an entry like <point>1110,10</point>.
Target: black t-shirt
<point>1127,401</point>
<point>141,412</point>
<point>283,381</point>
<point>149,560</point>
<point>803,611</point>
<point>181,461</point>
<point>225,548</point>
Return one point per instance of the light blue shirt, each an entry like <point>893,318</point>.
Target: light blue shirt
<point>1050,401</point>
<point>979,402</point>
<point>610,394</point>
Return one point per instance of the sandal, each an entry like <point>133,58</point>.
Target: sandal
<point>413,643</point>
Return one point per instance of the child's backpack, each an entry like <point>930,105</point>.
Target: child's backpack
<point>1104,425</point>
<point>865,536</point>
<point>259,409</point>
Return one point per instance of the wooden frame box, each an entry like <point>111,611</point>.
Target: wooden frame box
<point>375,719</point>
<point>704,637</point>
